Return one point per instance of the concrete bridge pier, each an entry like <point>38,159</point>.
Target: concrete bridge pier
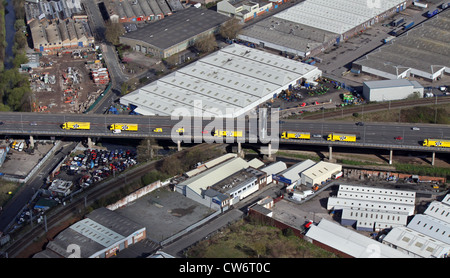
<point>90,143</point>
<point>390,156</point>
<point>31,142</point>
<point>330,153</point>
<point>267,152</point>
<point>179,145</point>
<point>433,156</point>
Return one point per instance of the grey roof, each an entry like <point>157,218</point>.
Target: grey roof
<point>100,230</point>
<point>431,227</point>
<point>425,48</point>
<point>380,84</point>
<point>293,172</point>
<point>178,27</point>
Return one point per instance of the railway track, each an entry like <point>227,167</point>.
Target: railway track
<point>377,107</point>
<point>61,214</point>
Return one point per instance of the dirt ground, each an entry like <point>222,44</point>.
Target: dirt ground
<point>53,98</point>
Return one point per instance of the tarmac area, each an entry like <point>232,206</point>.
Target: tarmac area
<point>164,213</point>
<point>20,163</point>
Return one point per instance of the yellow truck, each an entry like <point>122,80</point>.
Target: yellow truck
<point>295,135</point>
<point>224,133</point>
<point>124,127</point>
<point>443,143</point>
<point>341,137</point>
<point>76,125</point>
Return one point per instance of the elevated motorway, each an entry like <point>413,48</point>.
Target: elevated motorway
<point>370,135</point>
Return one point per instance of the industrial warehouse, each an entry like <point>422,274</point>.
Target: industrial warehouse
<point>101,234</point>
<point>139,10</point>
<point>174,34</point>
<point>385,90</point>
<point>322,24</point>
<point>421,52</point>
<point>227,83</point>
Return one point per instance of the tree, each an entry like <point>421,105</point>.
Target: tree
<point>114,31</point>
<point>230,29</point>
<point>206,44</point>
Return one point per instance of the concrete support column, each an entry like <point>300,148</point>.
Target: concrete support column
<point>31,142</point>
<point>390,156</point>
<point>179,145</point>
<point>239,147</point>
<point>90,143</point>
<point>432,158</point>
<point>330,153</point>
<point>269,148</point>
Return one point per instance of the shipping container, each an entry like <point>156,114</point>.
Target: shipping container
<point>409,25</point>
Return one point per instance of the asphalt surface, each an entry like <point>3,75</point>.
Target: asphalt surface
<point>369,133</point>
<point>26,192</point>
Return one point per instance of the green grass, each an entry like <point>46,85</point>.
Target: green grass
<point>245,239</point>
<point>423,170</point>
<point>299,156</point>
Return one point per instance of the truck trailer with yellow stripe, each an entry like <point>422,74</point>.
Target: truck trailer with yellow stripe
<point>76,125</point>
<point>443,143</point>
<point>225,133</point>
<point>341,137</point>
<point>124,127</point>
<point>295,135</point>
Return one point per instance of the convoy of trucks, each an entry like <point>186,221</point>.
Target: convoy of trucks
<point>295,135</point>
<point>443,143</point>
<point>76,125</point>
<point>341,137</point>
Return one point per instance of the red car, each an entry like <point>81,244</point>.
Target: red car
<point>398,138</point>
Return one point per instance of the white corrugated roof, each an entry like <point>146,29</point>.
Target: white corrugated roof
<point>416,243</point>
<point>226,83</point>
<point>274,168</point>
<point>431,227</point>
<point>351,242</point>
<point>337,16</point>
<point>438,210</point>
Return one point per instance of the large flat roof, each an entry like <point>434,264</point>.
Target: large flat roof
<point>309,24</point>
<point>425,48</point>
<point>178,27</point>
<point>226,83</point>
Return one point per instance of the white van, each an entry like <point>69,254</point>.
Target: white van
<point>20,148</point>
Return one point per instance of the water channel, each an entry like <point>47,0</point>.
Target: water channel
<point>10,19</point>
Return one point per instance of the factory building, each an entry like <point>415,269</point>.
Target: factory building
<point>348,243</point>
<point>312,26</point>
<point>422,51</point>
<point>101,234</point>
<point>372,209</point>
<point>427,235</point>
<point>385,90</point>
<point>273,169</point>
<point>227,83</point>
<point>224,184</point>
<point>137,10</point>
<point>292,176</point>
<point>319,173</point>
<point>244,10</point>
<point>174,34</point>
